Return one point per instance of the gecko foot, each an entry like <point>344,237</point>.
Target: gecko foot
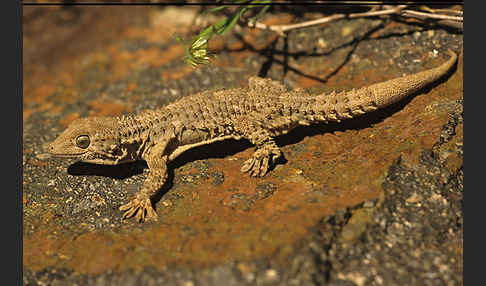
<point>261,160</point>
<point>141,209</point>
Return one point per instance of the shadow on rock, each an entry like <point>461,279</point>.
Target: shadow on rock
<point>121,171</point>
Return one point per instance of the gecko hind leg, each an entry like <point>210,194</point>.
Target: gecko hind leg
<point>266,150</point>
<point>262,159</point>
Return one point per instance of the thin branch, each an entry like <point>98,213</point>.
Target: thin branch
<point>281,29</point>
<point>399,10</point>
<point>435,11</point>
<point>431,16</point>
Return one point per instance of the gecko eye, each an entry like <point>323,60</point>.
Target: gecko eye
<point>82,141</point>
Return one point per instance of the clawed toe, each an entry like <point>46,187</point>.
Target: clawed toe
<point>247,165</point>
<point>260,162</point>
<point>141,209</point>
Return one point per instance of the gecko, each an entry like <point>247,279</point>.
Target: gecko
<point>260,112</point>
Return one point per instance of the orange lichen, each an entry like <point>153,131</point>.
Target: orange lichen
<point>103,108</point>
<point>68,119</point>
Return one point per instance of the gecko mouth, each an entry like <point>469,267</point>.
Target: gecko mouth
<point>52,152</point>
<point>60,155</point>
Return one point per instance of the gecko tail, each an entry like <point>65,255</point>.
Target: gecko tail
<point>350,104</point>
<point>392,91</point>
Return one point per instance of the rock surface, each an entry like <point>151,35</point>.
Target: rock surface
<point>371,201</point>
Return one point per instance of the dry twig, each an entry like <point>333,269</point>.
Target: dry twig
<point>398,10</point>
<point>423,15</point>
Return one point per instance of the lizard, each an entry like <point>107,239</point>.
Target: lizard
<point>260,112</point>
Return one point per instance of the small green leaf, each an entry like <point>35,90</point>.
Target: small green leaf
<point>258,3</point>
<point>261,12</point>
<point>230,21</point>
<point>215,9</point>
<point>197,48</point>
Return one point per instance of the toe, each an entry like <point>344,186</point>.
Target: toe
<point>151,214</point>
<point>247,165</point>
<point>256,168</point>
<point>140,217</point>
<point>129,213</point>
<point>264,167</point>
<point>125,206</point>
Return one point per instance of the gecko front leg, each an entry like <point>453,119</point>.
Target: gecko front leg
<point>141,205</point>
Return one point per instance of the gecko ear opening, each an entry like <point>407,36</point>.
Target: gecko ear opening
<point>82,141</point>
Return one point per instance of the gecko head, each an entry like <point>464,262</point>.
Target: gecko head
<point>93,140</point>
